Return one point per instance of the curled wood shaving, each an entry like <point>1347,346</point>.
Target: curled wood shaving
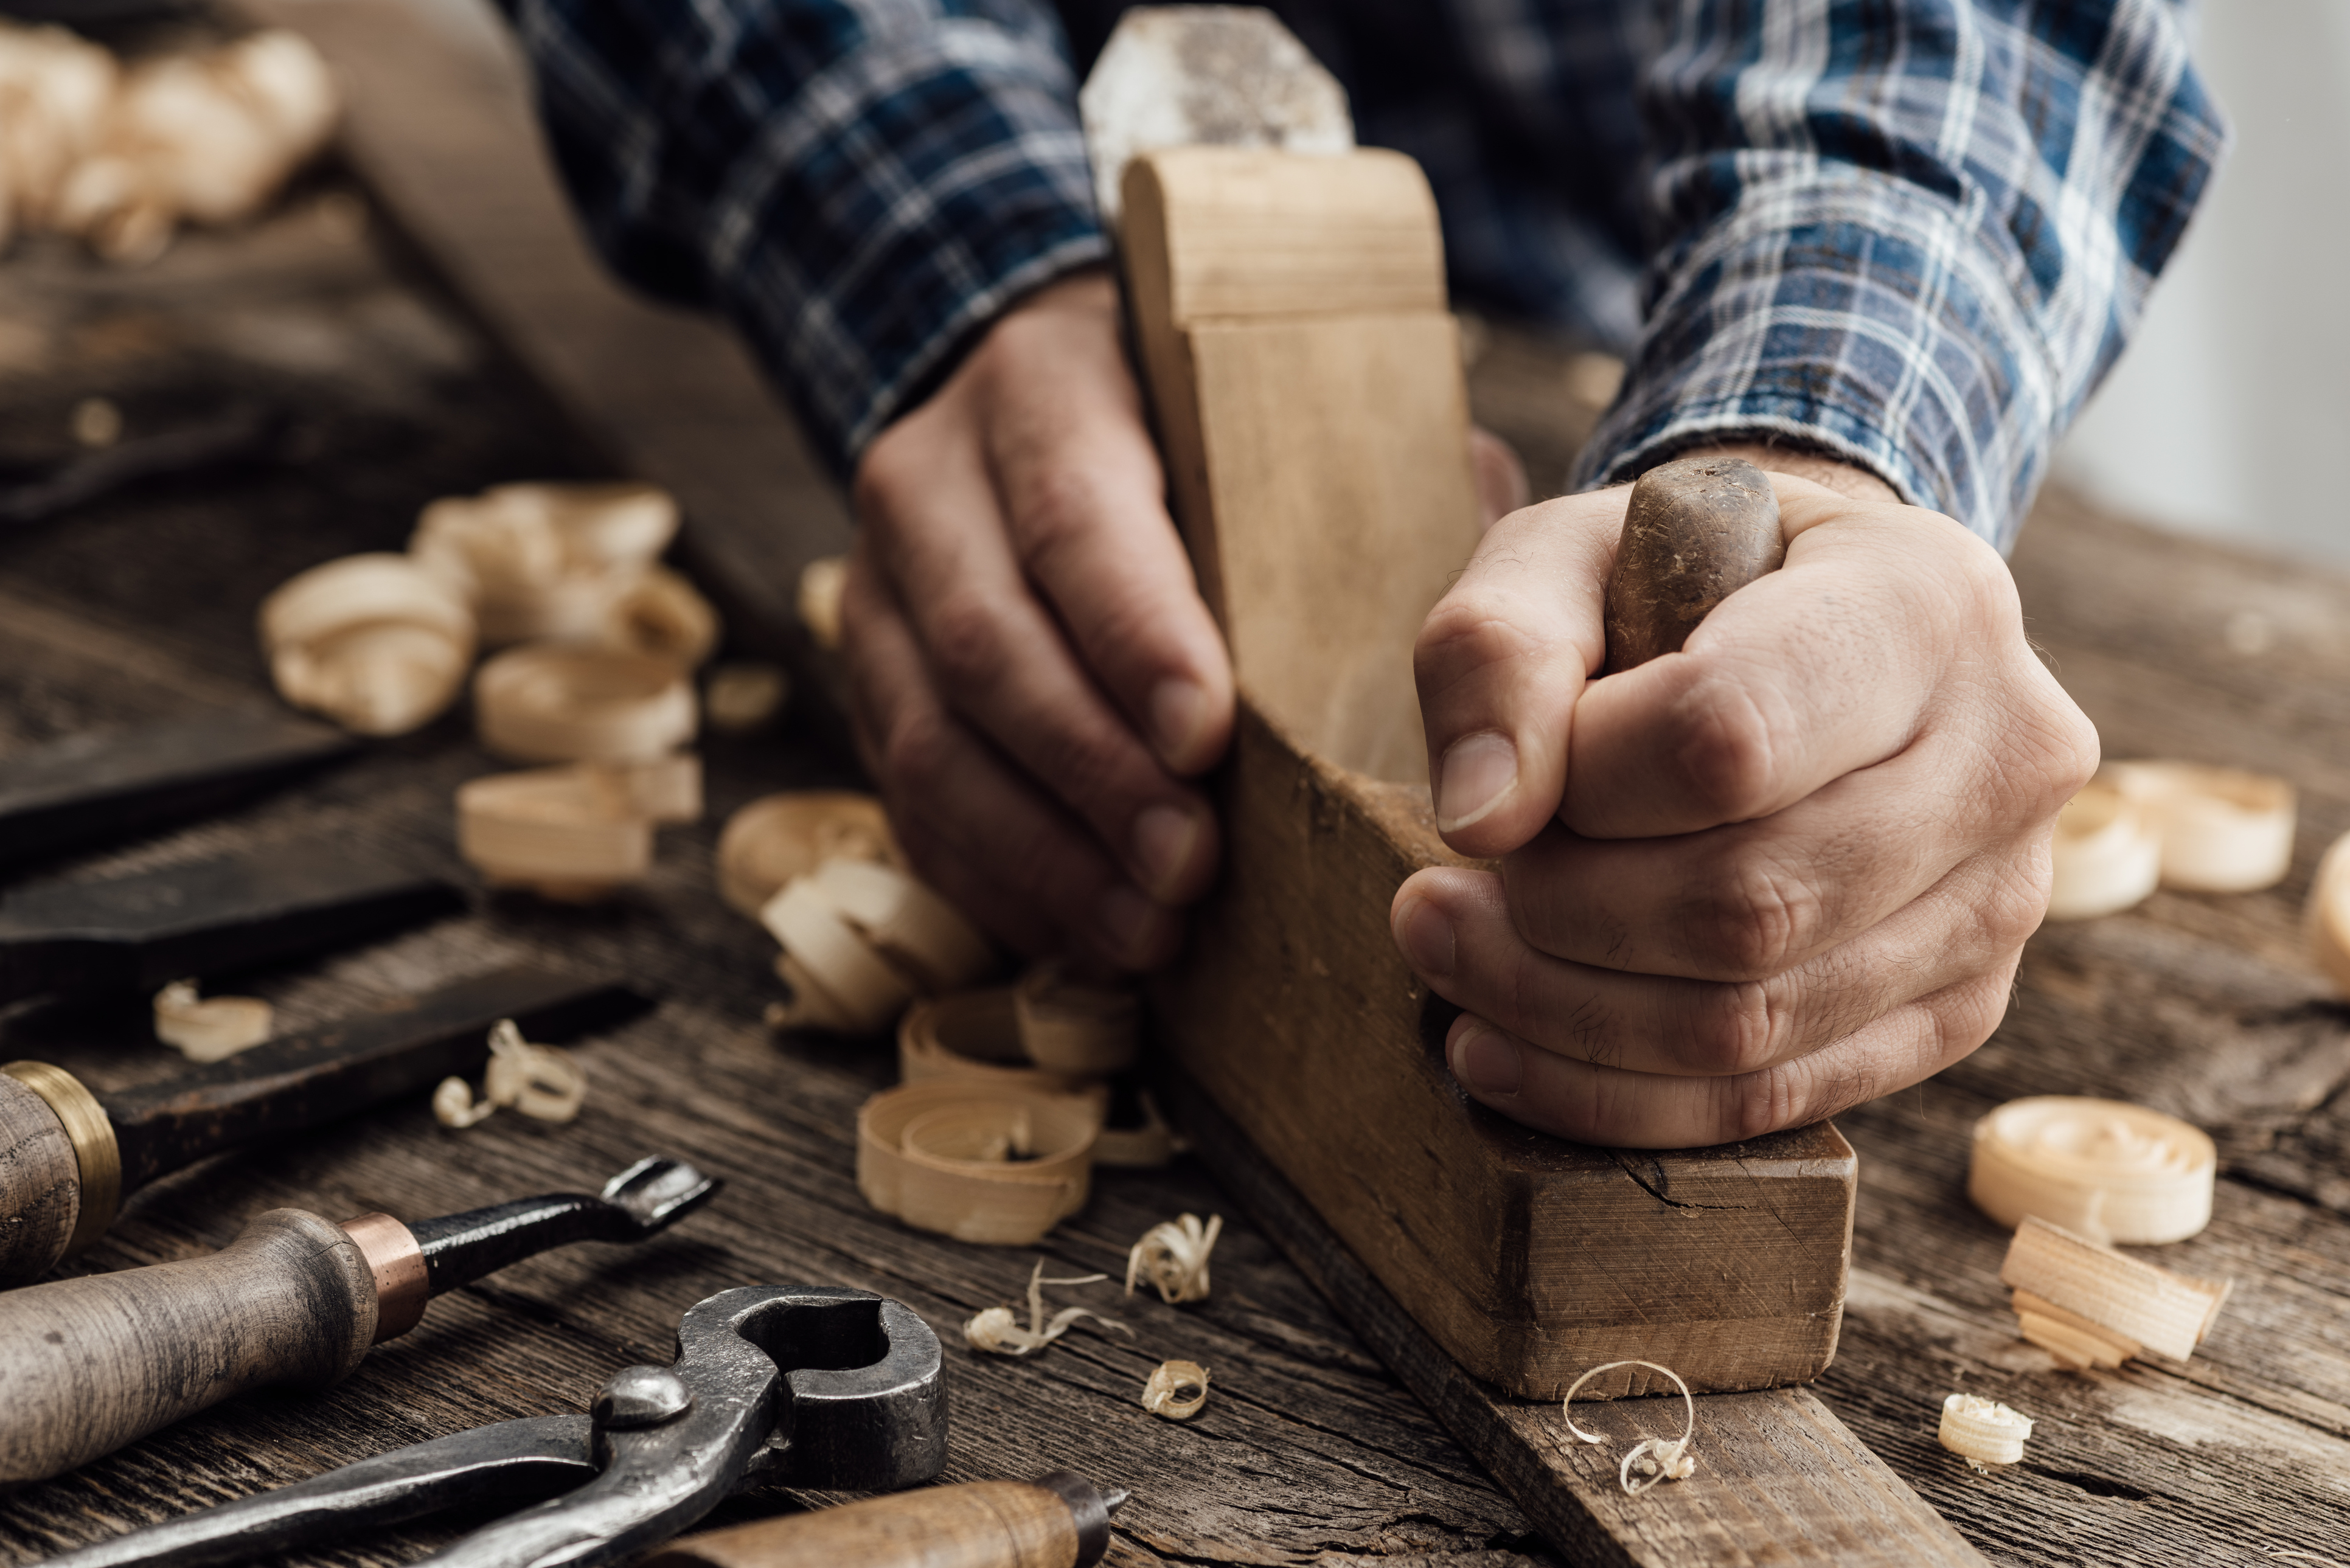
<point>1070,1026</point>
<point>1165,1394</point>
<point>539,1081</point>
<point>2090,1305</point>
<point>1982,1431</point>
<point>837,975</point>
<point>2107,856</point>
<point>821,585</point>
<point>1172,1258</point>
<point>998,1333</point>
<point>574,833</point>
<point>553,703</point>
<point>1656,1458</point>
<point>921,934</point>
<point>743,695</point>
<point>567,563</point>
<point>2327,918</point>
<point>121,158</point>
<point>371,641</point>
<point>208,1029</point>
<point>663,615</point>
<point>2223,830</point>
<point>999,1167</point>
<point>779,837</point>
<point>2110,1171</point>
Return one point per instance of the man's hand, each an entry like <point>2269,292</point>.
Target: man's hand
<point>1748,885</point>
<point>1033,672</point>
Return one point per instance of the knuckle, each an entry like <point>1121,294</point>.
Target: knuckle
<point>1727,751</point>
<point>965,638</point>
<point>1464,636</point>
<point>1738,1030</point>
<point>1757,919</point>
<point>917,753</point>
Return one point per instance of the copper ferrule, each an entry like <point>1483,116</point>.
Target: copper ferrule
<point>393,1257</point>
<point>96,1154</point>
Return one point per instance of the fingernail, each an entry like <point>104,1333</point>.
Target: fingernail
<point>1179,713</point>
<point>1427,938</point>
<point>1165,836</point>
<point>1486,1061</point>
<point>1128,922</point>
<point>1479,771</point>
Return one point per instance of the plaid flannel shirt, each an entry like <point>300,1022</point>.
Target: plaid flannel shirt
<point>1910,234</point>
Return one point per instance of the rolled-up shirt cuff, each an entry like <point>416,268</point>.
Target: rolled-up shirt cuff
<point>1854,316</point>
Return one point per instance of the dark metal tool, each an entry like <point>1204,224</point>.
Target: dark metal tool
<point>92,1364</point>
<point>74,1155</point>
<point>805,1385</point>
<point>137,933</point>
<point>106,785</point>
<point>238,433</point>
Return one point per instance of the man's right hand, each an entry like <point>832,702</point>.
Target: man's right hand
<point>1033,673</point>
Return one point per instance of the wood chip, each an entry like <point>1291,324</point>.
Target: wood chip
<point>996,1331</point>
<point>663,616</point>
<point>779,837</point>
<point>2223,830</point>
<point>2108,1170</point>
<point>556,562</point>
<point>1654,1459</point>
<point>209,1029</point>
<point>541,1081</point>
<point>822,582</point>
<point>858,985</point>
<point>571,834</point>
<point>743,695</point>
<point>552,703</point>
<point>1981,1431</point>
<point>2106,854</point>
<point>369,641</point>
<point>923,936</point>
<point>2124,1298</point>
<point>997,1167</point>
<point>1172,1258</point>
<point>1177,1390</point>
<point>973,1036</point>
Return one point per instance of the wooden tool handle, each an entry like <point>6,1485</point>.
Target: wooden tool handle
<point>40,1188</point>
<point>1698,529</point>
<point>979,1524</point>
<point>89,1364</point>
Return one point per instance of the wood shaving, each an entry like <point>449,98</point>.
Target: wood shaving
<point>548,702</point>
<point>2327,918</point>
<point>822,583</point>
<point>209,1029</point>
<point>743,695</point>
<point>2107,856</point>
<point>997,1167</point>
<point>2110,1171</point>
<point>1656,1458</point>
<point>539,1081</point>
<point>920,933</point>
<point>2089,1305</point>
<point>1981,1431</point>
<point>1070,1026</point>
<point>1164,1394</point>
<point>567,563</point>
<point>121,158</point>
<point>779,837</point>
<point>2223,830</point>
<point>998,1333</point>
<point>1172,1258</point>
<point>369,641</point>
<point>661,615</point>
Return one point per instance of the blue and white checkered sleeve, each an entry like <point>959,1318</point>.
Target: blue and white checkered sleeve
<point>1910,234</point>
<point>861,185</point>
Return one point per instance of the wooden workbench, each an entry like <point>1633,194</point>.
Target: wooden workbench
<point>1310,1452</point>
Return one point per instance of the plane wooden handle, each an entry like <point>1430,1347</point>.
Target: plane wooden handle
<point>40,1188</point>
<point>1696,530</point>
<point>89,1364</point>
<point>979,1524</point>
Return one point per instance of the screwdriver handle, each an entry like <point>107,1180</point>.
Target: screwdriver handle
<point>40,1185</point>
<point>1696,530</point>
<point>978,1524</point>
<point>89,1364</point>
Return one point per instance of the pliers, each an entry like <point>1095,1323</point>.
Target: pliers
<point>808,1386</point>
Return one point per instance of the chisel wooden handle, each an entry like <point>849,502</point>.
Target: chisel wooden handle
<point>1696,530</point>
<point>1055,1522</point>
<point>89,1364</point>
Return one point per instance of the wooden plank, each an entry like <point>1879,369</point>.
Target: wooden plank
<point>442,136</point>
<point>1331,483</point>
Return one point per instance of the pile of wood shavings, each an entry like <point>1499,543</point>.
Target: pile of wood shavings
<point>1656,1458</point>
<point>1172,1258</point>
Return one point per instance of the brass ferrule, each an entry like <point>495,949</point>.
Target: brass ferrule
<point>96,1153</point>
<point>393,1257</point>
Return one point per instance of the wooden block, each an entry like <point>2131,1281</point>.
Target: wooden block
<point>1321,474</point>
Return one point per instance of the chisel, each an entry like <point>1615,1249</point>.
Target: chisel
<point>91,1363</point>
<point>106,785</point>
<point>69,1157</point>
<point>1057,1520</point>
<point>141,932</point>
